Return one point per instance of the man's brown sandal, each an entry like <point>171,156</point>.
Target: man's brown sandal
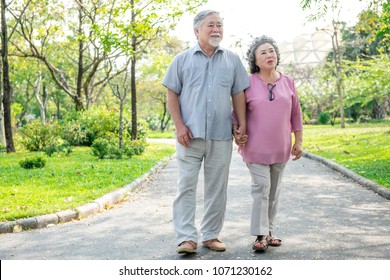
<point>215,245</point>
<point>187,247</point>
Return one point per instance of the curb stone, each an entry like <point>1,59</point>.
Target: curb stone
<point>121,194</point>
<point>80,212</point>
<point>379,189</point>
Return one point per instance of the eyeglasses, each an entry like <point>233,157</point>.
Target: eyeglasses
<point>271,95</point>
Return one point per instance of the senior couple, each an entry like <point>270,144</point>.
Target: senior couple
<point>202,83</point>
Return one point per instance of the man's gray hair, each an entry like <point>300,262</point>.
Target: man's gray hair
<point>202,15</point>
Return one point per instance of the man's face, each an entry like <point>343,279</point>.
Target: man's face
<point>210,31</point>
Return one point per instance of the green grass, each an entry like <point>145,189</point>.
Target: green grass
<point>362,148</point>
<point>67,182</point>
<point>159,134</point>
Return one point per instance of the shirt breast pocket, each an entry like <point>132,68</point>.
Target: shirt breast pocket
<point>193,77</point>
<point>224,78</point>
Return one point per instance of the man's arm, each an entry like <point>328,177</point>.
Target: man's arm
<point>239,105</point>
<point>183,133</point>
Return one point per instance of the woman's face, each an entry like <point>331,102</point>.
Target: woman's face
<point>266,57</point>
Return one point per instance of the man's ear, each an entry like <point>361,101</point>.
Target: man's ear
<point>196,32</point>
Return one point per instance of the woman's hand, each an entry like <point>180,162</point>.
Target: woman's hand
<point>296,151</point>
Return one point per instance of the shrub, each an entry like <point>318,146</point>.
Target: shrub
<point>58,148</point>
<point>36,136</point>
<point>115,152</point>
<point>323,118</point>
<point>109,148</point>
<point>136,147</point>
<point>31,163</point>
<point>2,148</point>
<point>85,127</point>
<point>75,134</point>
<point>100,148</point>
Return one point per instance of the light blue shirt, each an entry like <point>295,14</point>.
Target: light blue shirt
<point>204,86</point>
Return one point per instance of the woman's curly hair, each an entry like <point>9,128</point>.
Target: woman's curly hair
<point>251,56</point>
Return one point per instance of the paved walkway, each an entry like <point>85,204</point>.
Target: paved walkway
<point>323,216</point>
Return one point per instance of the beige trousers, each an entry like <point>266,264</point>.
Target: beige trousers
<point>265,191</point>
<point>216,157</point>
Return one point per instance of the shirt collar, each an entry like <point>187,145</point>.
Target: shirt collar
<point>197,48</point>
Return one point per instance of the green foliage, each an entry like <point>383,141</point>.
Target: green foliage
<point>323,118</point>
<point>2,148</point>
<point>90,125</point>
<point>104,148</point>
<point>101,148</point>
<point>32,163</point>
<point>135,148</point>
<point>66,148</point>
<point>36,136</point>
<point>84,127</point>
<point>75,134</point>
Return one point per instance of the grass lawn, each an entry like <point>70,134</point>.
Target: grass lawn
<point>67,182</point>
<point>362,148</point>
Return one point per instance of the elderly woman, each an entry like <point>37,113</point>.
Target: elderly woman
<point>273,115</point>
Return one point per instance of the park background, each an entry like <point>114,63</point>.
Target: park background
<point>81,88</point>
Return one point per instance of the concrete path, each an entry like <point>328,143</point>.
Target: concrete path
<point>322,216</point>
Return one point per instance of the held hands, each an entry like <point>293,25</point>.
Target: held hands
<point>240,137</point>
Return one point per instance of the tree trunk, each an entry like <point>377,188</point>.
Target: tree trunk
<point>80,62</point>
<point>134,130</point>
<point>2,132</point>
<point>7,89</point>
<point>121,106</point>
<point>338,72</point>
<point>41,98</point>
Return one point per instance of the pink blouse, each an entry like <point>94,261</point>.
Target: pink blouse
<point>270,123</point>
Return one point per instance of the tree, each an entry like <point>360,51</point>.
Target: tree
<point>153,93</point>
<point>69,36</point>
<point>6,83</point>
<point>84,34</point>
<point>368,86</point>
<point>335,33</point>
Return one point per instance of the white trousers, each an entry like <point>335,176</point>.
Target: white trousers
<point>265,191</point>
<point>216,157</point>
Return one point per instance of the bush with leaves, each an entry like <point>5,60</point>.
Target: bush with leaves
<point>84,127</point>
<point>135,147</point>
<point>36,136</point>
<point>105,148</point>
<point>75,133</point>
<point>323,118</point>
<point>31,163</point>
<point>65,147</point>
<point>101,148</point>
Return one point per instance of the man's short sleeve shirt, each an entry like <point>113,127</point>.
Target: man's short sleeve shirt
<point>204,86</point>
